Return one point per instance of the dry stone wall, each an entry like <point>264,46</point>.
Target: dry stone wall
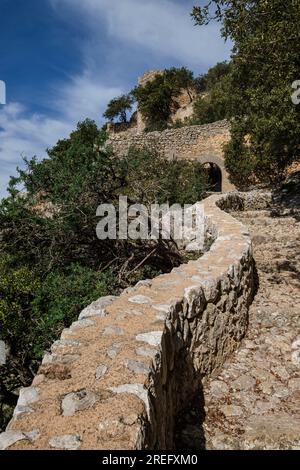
<point>119,376</point>
<point>201,143</point>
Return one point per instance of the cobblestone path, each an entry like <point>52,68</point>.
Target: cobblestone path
<point>254,403</point>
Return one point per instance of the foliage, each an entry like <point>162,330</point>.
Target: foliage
<point>53,224</point>
<point>156,99</point>
<point>177,181</point>
<point>215,103</point>
<point>60,299</point>
<point>208,81</point>
<point>18,286</point>
<point>265,63</point>
<point>33,311</point>
<point>118,108</point>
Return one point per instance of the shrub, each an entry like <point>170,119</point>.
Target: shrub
<point>60,299</point>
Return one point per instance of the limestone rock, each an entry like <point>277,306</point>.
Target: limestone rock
<point>97,308</point>
<point>9,438</point>
<point>153,338</point>
<point>219,389</point>
<point>101,371</point>
<point>67,442</point>
<point>78,401</point>
<point>134,389</point>
<point>140,299</point>
<point>111,429</point>
<point>113,331</point>
<point>145,352</point>
<point>28,396</point>
<point>114,350</point>
<point>137,367</point>
<point>84,323</point>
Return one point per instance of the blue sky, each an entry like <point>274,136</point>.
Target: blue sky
<point>63,60</point>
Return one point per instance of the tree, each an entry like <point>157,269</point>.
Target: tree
<point>214,102</point>
<point>265,135</point>
<point>154,102</point>
<point>208,81</point>
<point>156,99</point>
<point>180,79</point>
<point>118,108</point>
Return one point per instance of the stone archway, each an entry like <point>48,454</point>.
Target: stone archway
<point>221,182</point>
<point>214,177</point>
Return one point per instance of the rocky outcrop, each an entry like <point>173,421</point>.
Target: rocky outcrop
<point>119,376</point>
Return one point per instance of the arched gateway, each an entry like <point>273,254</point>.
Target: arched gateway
<point>217,175</point>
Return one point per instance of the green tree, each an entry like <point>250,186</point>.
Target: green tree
<point>214,103</point>
<point>180,79</point>
<point>156,99</point>
<point>208,81</point>
<point>265,135</point>
<point>59,300</point>
<point>118,108</point>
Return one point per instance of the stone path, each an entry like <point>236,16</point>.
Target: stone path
<point>254,403</point>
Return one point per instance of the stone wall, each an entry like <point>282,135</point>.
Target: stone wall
<point>201,143</point>
<point>119,376</point>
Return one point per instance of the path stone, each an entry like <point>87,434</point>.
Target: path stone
<point>153,338</point>
<point>78,401</point>
<point>98,308</point>
<point>114,350</point>
<point>67,442</point>
<point>28,396</point>
<point>113,330</point>
<point>9,438</point>
<point>134,389</point>
<point>101,371</point>
<point>140,299</point>
<point>137,367</point>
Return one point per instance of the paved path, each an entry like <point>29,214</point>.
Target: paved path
<point>254,403</point>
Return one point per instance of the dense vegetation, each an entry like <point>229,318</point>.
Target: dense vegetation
<point>213,103</point>
<point>51,262</point>
<point>265,61</point>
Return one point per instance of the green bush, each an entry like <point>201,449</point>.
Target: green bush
<point>60,299</point>
<point>33,311</point>
<point>18,287</point>
<point>214,103</point>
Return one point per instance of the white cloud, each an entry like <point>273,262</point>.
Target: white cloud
<point>23,135</point>
<point>161,29</point>
<point>161,26</point>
